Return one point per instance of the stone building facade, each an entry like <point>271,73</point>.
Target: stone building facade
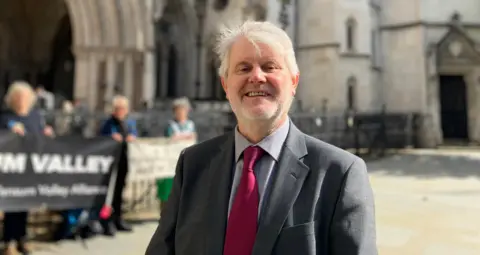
<point>79,49</point>
<point>410,56</point>
<point>92,49</point>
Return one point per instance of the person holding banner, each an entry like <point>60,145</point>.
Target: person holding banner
<point>124,130</point>
<point>265,187</point>
<point>180,128</point>
<point>22,119</point>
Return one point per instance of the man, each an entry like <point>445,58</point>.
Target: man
<point>302,197</point>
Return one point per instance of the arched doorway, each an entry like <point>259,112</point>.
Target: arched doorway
<point>60,76</point>
<point>37,45</point>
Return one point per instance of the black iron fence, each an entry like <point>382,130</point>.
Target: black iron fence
<point>347,130</point>
<point>374,132</point>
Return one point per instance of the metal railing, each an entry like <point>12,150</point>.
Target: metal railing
<point>348,130</point>
<point>374,131</point>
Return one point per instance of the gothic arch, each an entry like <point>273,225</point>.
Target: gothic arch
<point>95,25</point>
<point>80,25</point>
<point>138,23</point>
<point>109,8</point>
<point>131,26</point>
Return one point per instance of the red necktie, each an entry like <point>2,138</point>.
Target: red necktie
<point>242,222</point>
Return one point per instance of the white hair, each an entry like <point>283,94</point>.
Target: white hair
<point>20,87</point>
<point>256,32</point>
<point>120,101</point>
<point>181,102</point>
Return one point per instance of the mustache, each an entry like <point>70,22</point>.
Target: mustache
<point>265,87</point>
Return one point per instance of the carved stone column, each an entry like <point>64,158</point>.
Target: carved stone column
<point>148,77</point>
<point>81,85</point>
<point>129,82</point>
<point>110,81</point>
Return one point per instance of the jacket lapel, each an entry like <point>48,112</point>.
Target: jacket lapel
<point>221,172</point>
<point>285,187</point>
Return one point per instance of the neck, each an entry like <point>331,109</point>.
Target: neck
<point>255,130</point>
<point>117,118</point>
<point>22,112</point>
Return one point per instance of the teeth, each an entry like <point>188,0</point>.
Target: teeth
<point>254,94</point>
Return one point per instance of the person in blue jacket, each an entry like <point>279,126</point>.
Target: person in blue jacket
<point>122,129</point>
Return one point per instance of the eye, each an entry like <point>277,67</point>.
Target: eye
<point>269,67</point>
<point>243,69</point>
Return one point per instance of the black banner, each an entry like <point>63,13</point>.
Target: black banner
<point>56,173</point>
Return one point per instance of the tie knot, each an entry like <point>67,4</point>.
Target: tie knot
<point>251,155</point>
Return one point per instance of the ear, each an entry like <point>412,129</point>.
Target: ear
<point>295,79</point>
<point>224,85</point>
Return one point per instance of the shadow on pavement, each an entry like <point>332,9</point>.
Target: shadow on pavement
<point>426,166</point>
<point>142,221</point>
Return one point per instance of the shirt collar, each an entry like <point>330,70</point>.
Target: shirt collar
<point>272,144</point>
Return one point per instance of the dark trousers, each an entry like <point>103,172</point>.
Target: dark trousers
<point>117,201</point>
<point>15,226</point>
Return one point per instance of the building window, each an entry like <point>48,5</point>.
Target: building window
<point>351,91</point>
<point>374,48</point>
<point>351,26</point>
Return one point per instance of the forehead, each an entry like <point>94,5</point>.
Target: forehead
<point>244,50</point>
<point>21,92</point>
<point>120,106</point>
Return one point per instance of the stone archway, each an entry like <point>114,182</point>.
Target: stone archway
<point>112,44</point>
<point>60,76</point>
<point>114,50</point>
<point>32,40</point>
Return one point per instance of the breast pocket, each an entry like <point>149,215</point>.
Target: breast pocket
<point>297,239</point>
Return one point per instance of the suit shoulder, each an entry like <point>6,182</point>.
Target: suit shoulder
<point>330,153</point>
<point>205,147</point>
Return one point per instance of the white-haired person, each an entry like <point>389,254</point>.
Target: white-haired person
<point>265,187</point>
<point>23,119</point>
<point>179,128</point>
<point>120,127</point>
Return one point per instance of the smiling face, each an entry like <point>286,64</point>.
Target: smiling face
<point>258,85</point>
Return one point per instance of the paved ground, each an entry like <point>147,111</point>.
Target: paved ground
<point>427,204</point>
<point>123,244</point>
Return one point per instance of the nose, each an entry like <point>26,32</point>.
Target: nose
<point>257,75</point>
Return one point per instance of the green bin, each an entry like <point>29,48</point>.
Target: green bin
<point>164,187</point>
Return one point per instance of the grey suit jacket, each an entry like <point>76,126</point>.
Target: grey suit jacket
<point>320,202</point>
